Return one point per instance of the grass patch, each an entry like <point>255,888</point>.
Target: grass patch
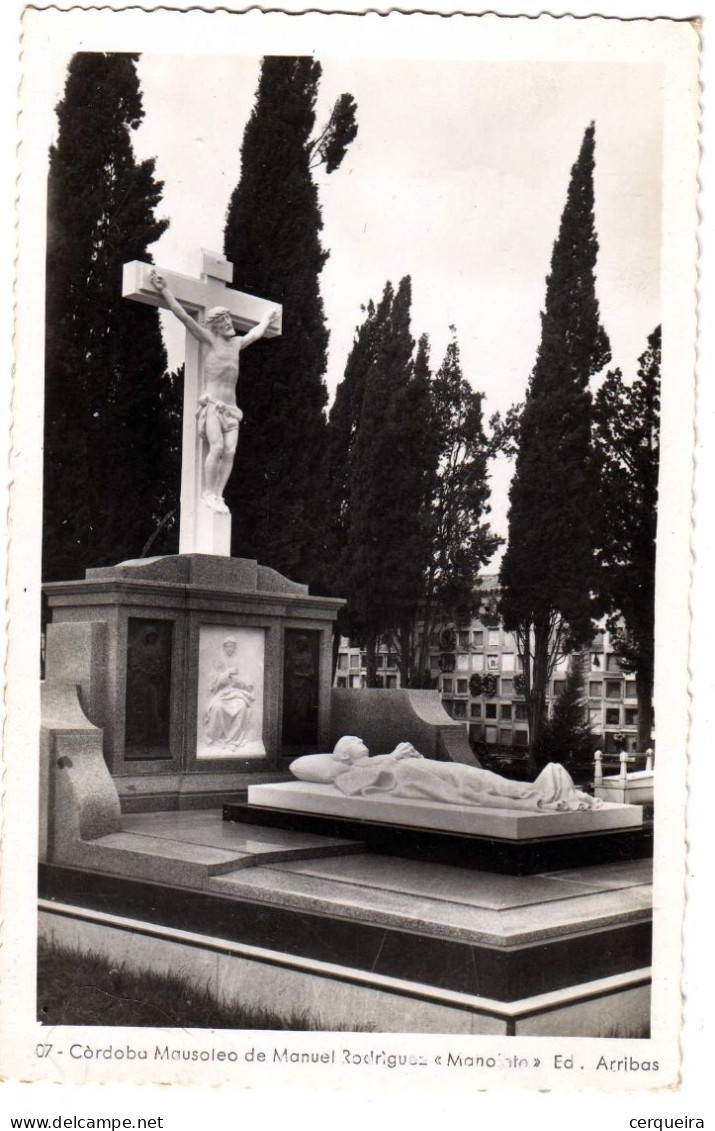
<point>628,1032</point>
<point>78,988</point>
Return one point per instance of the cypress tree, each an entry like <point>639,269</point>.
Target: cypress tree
<point>627,452</point>
<point>343,429</point>
<point>415,454</point>
<point>548,569</point>
<point>461,541</point>
<point>272,235</point>
<point>391,479</point>
<point>343,426</point>
<point>108,441</point>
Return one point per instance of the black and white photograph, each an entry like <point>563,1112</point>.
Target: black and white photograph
<point>352,681</point>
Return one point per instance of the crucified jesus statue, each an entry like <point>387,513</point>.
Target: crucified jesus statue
<point>218,416</point>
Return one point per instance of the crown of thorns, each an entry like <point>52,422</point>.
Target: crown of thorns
<point>216,312</point>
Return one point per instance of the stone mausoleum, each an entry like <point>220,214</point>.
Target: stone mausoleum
<point>142,641</point>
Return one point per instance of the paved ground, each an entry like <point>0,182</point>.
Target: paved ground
<point>336,877</point>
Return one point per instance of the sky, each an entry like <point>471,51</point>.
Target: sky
<point>457,177</point>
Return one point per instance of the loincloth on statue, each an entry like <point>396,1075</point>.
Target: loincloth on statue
<point>229,416</point>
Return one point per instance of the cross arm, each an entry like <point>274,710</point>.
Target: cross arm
<point>195,328</point>
<point>196,295</point>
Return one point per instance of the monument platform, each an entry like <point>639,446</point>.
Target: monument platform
<point>363,940</point>
<point>471,820</point>
<point>516,842</point>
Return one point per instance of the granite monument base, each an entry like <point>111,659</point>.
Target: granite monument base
<point>340,997</point>
<point>298,924</point>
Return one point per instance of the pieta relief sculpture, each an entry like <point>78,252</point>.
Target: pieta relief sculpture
<point>227,715</point>
<point>218,415</point>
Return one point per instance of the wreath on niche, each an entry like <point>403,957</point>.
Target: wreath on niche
<point>489,683</point>
<point>448,639</point>
<point>475,686</point>
<point>482,685</point>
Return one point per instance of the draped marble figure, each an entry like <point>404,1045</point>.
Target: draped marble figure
<point>228,711</point>
<point>407,774</point>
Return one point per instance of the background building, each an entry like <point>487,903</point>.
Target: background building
<point>477,671</point>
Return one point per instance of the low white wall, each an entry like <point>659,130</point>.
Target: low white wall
<point>335,996</point>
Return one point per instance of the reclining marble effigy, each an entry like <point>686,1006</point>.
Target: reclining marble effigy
<point>363,795</point>
<point>406,774</point>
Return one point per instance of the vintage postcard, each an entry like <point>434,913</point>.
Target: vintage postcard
<point>352,455</point>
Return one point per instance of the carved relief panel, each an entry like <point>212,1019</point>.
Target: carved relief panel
<point>148,695</point>
<point>230,692</point>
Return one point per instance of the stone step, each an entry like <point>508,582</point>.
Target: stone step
<point>188,850</point>
<point>435,944</point>
<point>160,860</point>
<point>250,843</point>
<point>542,910</point>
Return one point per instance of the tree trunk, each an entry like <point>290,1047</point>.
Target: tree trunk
<point>406,664</point>
<point>539,682</point>
<point>423,653</point>
<point>371,661</point>
<point>153,537</point>
<point>523,644</point>
<point>644,691</point>
<point>336,649</point>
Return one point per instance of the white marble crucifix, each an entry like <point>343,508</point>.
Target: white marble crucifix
<point>205,525</point>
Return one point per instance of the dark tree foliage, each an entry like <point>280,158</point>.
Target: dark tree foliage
<point>627,451</point>
<point>506,431</point>
<point>566,737</point>
<point>343,424</point>
<point>547,571</point>
<point>108,439</point>
<point>341,129</point>
<point>381,422</point>
<point>343,427</point>
<point>164,539</point>
<point>272,235</point>
<point>340,459</point>
<point>416,454</point>
<point>461,542</point>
